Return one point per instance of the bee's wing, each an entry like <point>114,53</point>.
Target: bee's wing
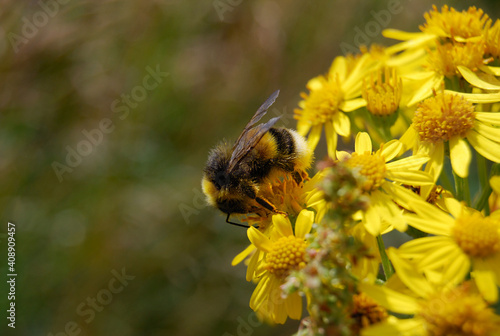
<point>248,141</point>
<point>251,135</point>
<point>257,116</point>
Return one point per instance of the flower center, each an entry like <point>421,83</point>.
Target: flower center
<point>382,95</point>
<point>372,167</point>
<point>458,312</point>
<point>476,235</point>
<point>443,116</point>
<point>322,103</point>
<point>366,312</point>
<point>492,36</point>
<point>464,24</point>
<point>445,59</point>
<point>288,253</point>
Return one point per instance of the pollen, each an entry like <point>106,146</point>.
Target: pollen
<point>448,56</point>
<point>383,92</point>
<point>459,312</point>
<point>371,167</point>
<point>321,103</point>
<point>366,312</point>
<point>443,116</point>
<point>464,24</point>
<point>476,235</point>
<point>288,253</point>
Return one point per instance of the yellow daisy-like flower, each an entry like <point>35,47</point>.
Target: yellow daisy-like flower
<point>457,25</point>
<point>283,252</point>
<point>462,239</point>
<point>458,311</point>
<point>383,93</point>
<point>377,172</point>
<point>451,118</point>
<point>452,40</point>
<point>329,98</point>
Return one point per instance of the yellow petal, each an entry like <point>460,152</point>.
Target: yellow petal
<point>477,97</point>
<point>363,143</point>
<point>495,183</point>
<point>259,294</point>
<point>453,206</point>
<point>408,273</point>
<point>331,139</point>
<point>490,132</point>
<point>390,299</point>
<point>436,161</point>
<point>439,256</point>
<point>414,178</point>
<point>485,280</point>
<point>338,67</point>
<point>303,127</point>
<point>396,327</point>
<point>460,156</point>
<point>252,265</point>
<point>372,221</point>
<point>259,240</point>
<point>352,105</point>
<point>304,223</point>
<point>490,70</point>
<point>409,163</point>
<point>426,90</point>
<point>471,77</point>
<point>283,225</point>
<point>342,155</point>
<point>428,225</point>
<point>484,146</point>
<point>417,248</point>
<point>488,117</point>
<point>457,268</point>
<point>391,149</point>
<point>294,306</point>
<point>408,139</point>
<point>242,255</point>
<point>314,136</point>
<point>341,124</point>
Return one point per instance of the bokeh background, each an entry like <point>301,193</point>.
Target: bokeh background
<point>132,202</point>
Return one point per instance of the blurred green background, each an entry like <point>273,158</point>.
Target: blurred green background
<point>131,201</point>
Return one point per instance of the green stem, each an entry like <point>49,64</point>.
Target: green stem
<point>482,202</point>
<point>386,264</point>
<point>462,189</point>
<point>444,180</point>
<point>482,170</point>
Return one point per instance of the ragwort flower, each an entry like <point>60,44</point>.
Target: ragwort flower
<point>283,252</point>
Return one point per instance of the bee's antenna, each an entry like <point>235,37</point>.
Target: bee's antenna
<point>238,224</point>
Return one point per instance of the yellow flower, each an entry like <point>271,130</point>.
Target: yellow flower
<point>376,173</point>
<point>456,25</point>
<point>383,94</point>
<point>451,118</point>
<point>458,311</point>
<point>283,252</point>
<point>462,239</point>
<point>452,40</point>
<point>329,98</point>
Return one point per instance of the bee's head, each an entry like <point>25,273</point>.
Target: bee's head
<point>222,195</point>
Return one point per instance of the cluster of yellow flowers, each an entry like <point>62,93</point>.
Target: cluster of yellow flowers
<point>425,115</point>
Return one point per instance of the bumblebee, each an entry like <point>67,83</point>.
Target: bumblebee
<point>234,176</point>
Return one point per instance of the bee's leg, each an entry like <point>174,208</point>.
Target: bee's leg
<point>297,177</point>
<point>269,206</point>
<point>237,224</point>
